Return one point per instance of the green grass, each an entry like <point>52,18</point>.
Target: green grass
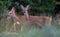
<point>47,31</point>
<point>36,32</point>
<point>32,33</point>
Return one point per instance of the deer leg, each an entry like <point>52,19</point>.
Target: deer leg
<point>19,23</point>
<point>21,28</point>
<point>31,26</point>
<point>14,26</point>
<point>39,25</point>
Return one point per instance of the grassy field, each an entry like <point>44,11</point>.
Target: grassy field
<point>46,31</point>
<point>32,33</point>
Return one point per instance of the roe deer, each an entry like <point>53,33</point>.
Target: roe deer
<point>16,19</point>
<point>39,21</point>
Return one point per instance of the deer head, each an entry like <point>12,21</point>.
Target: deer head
<point>12,12</point>
<point>25,11</point>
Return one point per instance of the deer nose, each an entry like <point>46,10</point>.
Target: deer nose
<point>24,12</point>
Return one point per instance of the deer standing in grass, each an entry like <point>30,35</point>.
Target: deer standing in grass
<point>38,21</point>
<point>16,19</point>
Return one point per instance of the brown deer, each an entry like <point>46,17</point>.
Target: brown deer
<point>39,21</point>
<point>16,19</point>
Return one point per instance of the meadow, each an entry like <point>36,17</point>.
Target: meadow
<point>6,30</point>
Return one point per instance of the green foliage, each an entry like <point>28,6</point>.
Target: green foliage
<point>48,5</point>
<point>36,6</point>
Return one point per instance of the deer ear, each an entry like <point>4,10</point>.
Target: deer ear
<point>13,9</point>
<point>22,7</point>
<point>27,7</point>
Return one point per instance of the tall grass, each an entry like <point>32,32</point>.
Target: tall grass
<point>46,31</point>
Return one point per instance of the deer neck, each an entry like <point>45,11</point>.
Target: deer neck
<point>26,15</point>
